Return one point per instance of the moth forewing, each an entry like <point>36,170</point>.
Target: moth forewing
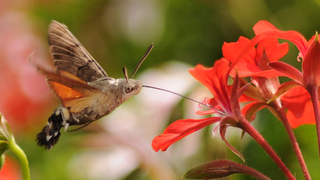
<point>58,76</point>
<point>69,55</point>
<point>62,36</point>
<point>75,98</point>
<point>64,92</point>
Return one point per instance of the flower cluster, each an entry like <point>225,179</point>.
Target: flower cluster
<point>294,103</point>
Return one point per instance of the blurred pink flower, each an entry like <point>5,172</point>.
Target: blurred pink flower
<point>24,94</point>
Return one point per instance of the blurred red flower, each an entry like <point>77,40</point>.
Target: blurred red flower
<point>10,170</point>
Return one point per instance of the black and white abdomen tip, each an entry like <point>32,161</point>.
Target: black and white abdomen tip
<point>50,134</point>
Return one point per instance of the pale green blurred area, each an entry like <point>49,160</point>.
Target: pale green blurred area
<point>184,33</point>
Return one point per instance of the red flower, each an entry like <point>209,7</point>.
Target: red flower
<point>225,104</point>
<point>309,78</point>
<point>254,63</point>
<point>309,52</point>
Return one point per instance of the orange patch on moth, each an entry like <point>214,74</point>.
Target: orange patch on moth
<point>65,92</point>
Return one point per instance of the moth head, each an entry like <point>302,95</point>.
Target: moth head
<point>129,87</point>
<point>132,87</point>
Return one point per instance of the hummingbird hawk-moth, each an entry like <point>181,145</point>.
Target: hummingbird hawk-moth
<point>85,90</point>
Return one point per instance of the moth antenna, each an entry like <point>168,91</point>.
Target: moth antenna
<point>124,69</point>
<point>160,89</point>
<point>142,59</point>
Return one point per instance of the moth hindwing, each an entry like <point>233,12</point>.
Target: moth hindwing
<point>85,90</point>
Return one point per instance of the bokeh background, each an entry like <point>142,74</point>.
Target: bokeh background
<point>117,33</point>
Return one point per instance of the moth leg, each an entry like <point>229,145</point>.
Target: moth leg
<point>65,114</point>
<point>86,124</point>
<point>66,117</point>
<point>66,125</point>
<point>75,118</point>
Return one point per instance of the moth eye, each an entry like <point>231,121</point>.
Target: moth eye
<point>129,89</point>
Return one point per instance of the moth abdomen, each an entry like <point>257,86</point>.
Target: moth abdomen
<point>50,134</point>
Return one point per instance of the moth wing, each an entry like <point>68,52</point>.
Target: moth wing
<point>69,55</point>
<point>74,93</point>
<point>75,98</point>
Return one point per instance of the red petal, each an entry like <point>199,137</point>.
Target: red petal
<point>300,110</point>
<point>250,110</point>
<point>215,79</point>
<point>284,88</point>
<point>247,65</point>
<point>254,41</point>
<point>296,95</point>
<point>287,70</point>
<point>311,64</point>
<point>267,29</point>
<point>245,98</point>
<point>180,129</point>
<point>231,51</point>
<point>273,49</point>
<point>245,69</point>
<point>204,75</point>
<point>297,119</point>
<point>267,74</point>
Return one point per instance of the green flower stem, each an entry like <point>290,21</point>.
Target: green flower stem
<point>13,146</point>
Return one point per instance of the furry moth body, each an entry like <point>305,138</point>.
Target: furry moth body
<point>83,87</point>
